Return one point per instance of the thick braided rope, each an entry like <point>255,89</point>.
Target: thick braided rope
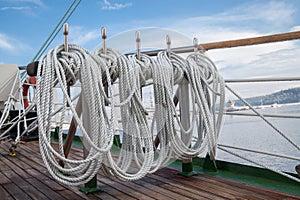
<point>211,89</point>
<point>137,142</point>
<point>137,145</point>
<point>196,72</point>
<point>57,65</point>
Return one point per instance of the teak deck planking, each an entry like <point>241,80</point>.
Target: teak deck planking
<point>25,177</point>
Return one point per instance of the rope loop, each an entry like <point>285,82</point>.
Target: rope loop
<point>111,89</point>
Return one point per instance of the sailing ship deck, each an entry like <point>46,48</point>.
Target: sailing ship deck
<point>25,177</point>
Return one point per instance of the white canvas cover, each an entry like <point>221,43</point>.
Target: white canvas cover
<point>8,74</point>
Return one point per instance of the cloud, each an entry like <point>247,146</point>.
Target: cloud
<point>249,17</point>
<point>245,21</point>
<point>11,45</point>
<point>114,6</point>
<point>82,36</point>
<point>239,56</point>
<point>19,8</point>
<point>280,59</point>
<point>5,43</point>
<point>268,60</point>
<point>28,7</point>
<point>275,13</point>
<point>295,28</point>
<point>35,2</point>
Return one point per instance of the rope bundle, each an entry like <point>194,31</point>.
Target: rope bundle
<point>137,156</point>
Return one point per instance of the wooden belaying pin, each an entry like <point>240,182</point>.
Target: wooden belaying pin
<point>66,47</point>
<point>138,45</point>
<point>168,38</point>
<point>195,42</point>
<point>66,33</point>
<point>104,36</point>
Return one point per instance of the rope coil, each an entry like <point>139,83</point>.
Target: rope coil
<point>97,72</point>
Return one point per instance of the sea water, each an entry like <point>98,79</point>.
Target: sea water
<point>253,133</point>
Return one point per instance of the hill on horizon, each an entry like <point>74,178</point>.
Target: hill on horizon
<point>291,95</point>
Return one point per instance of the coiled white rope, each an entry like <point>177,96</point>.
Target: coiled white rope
<point>206,84</point>
<point>137,146</point>
<point>137,156</point>
<point>75,64</point>
<point>211,90</point>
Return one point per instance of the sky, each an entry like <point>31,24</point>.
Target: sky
<point>25,25</point>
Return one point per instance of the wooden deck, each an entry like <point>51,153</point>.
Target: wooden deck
<point>25,177</point>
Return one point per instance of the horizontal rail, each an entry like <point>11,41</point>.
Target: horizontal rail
<point>262,80</point>
<point>232,43</point>
<point>265,115</point>
<point>261,152</point>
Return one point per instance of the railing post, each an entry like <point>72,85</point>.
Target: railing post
<point>184,104</point>
<point>91,186</point>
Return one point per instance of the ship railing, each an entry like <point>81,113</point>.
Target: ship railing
<point>256,80</point>
<point>238,43</point>
<point>263,117</point>
<point>260,152</point>
<point>249,42</point>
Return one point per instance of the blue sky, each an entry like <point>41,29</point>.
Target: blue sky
<point>25,24</point>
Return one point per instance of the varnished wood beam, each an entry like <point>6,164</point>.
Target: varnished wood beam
<point>251,41</point>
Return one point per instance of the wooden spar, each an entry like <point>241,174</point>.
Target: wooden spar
<point>252,41</point>
<point>233,43</point>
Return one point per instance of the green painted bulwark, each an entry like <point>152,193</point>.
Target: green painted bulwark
<point>117,141</point>
<point>232,171</point>
<point>90,187</point>
<point>251,175</point>
<point>209,165</point>
<point>187,169</point>
<point>77,141</point>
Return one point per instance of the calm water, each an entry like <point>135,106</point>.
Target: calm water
<point>252,132</point>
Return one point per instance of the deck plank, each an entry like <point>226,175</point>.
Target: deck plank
<point>251,191</point>
<point>124,190</point>
<point>15,191</point>
<point>168,194</point>
<point>144,192</point>
<point>45,189</point>
<point>183,189</point>
<point>230,189</point>
<point>4,179</point>
<point>226,192</point>
<point>25,177</point>
<point>4,194</point>
<point>21,182</point>
<point>112,191</point>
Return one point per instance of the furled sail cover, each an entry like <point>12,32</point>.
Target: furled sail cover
<point>8,74</point>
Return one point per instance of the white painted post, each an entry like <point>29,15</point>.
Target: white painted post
<point>184,104</point>
<point>91,186</point>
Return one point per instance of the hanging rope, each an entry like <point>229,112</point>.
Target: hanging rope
<point>97,72</point>
<point>66,67</point>
<point>137,145</point>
